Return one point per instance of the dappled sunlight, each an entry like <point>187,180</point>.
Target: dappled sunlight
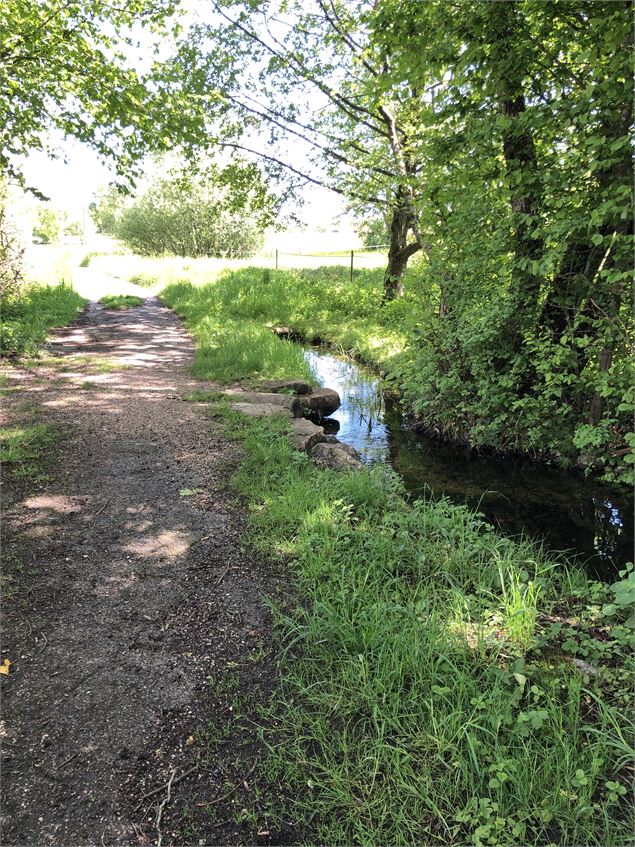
<point>57,503</point>
<point>165,544</point>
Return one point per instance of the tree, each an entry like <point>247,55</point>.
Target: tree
<point>525,155</point>
<point>275,58</point>
<point>47,226</point>
<point>221,212</point>
<point>106,209</point>
<point>11,253</point>
<point>72,68</point>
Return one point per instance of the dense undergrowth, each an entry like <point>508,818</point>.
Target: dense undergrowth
<point>430,686</point>
<point>444,368</point>
<point>30,311</point>
<point>440,683</point>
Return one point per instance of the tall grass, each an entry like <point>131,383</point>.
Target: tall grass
<point>319,304</point>
<point>232,346</point>
<point>419,704</point>
<point>28,315</point>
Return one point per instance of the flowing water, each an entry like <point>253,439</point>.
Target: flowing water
<point>588,519</point>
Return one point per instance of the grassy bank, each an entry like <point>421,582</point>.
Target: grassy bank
<point>444,366</point>
<point>30,313</point>
<point>430,686</point>
<point>318,305</point>
<point>440,683</point>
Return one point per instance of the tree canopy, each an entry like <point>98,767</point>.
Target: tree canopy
<point>78,68</point>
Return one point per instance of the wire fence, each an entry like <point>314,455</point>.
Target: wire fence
<point>348,258</point>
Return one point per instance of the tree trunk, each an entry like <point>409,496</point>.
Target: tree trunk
<point>521,163</point>
<point>399,252</point>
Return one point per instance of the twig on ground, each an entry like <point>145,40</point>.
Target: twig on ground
<point>224,797</point>
<point>162,805</point>
<point>45,642</point>
<point>165,785</point>
<point>222,576</point>
<point>100,510</point>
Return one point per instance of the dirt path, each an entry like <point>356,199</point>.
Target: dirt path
<point>134,596</point>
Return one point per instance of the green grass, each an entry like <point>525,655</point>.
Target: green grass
<point>427,695</point>
<point>120,301</point>
<point>231,345</point>
<point>29,314</point>
<point>318,304</point>
<point>24,448</point>
<point>429,686</point>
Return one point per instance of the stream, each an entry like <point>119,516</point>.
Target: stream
<point>589,520</point>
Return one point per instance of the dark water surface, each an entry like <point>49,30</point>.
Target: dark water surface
<point>586,518</point>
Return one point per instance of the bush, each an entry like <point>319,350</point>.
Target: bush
<point>222,213</point>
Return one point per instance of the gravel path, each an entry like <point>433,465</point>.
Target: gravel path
<point>134,595</point>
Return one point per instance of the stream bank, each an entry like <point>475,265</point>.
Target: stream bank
<point>590,520</point>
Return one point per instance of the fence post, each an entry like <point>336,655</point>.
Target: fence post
<point>351,265</point>
<point>276,258</point>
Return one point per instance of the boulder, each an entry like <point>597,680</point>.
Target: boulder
<point>321,401</point>
<point>340,456</point>
<point>297,386</point>
<point>261,410</point>
<point>292,404</point>
<point>305,434</point>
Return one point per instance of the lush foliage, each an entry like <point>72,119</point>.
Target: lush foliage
<point>499,134</point>
<point>47,226</point>
<point>11,253</point>
<point>222,212</point>
<point>429,690</point>
<point>31,310</point>
<point>403,338</point>
<point>74,68</point>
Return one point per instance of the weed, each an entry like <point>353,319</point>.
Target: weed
<point>203,396</point>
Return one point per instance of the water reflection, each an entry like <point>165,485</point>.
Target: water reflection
<point>583,517</point>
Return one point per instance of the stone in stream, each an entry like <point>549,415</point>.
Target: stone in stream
<point>261,410</point>
<point>262,398</point>
<point>306,435</point>
<point>297,386</point>
<point>341,456</point>
<point>322,401</point>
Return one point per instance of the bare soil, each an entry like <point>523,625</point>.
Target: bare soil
<point>132,605</point>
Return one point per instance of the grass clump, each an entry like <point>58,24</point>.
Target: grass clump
<point>30,312</point>
<point>23,447</point>
<point>120,301</point>
<point>231,346</point>
<point>429,690</point>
